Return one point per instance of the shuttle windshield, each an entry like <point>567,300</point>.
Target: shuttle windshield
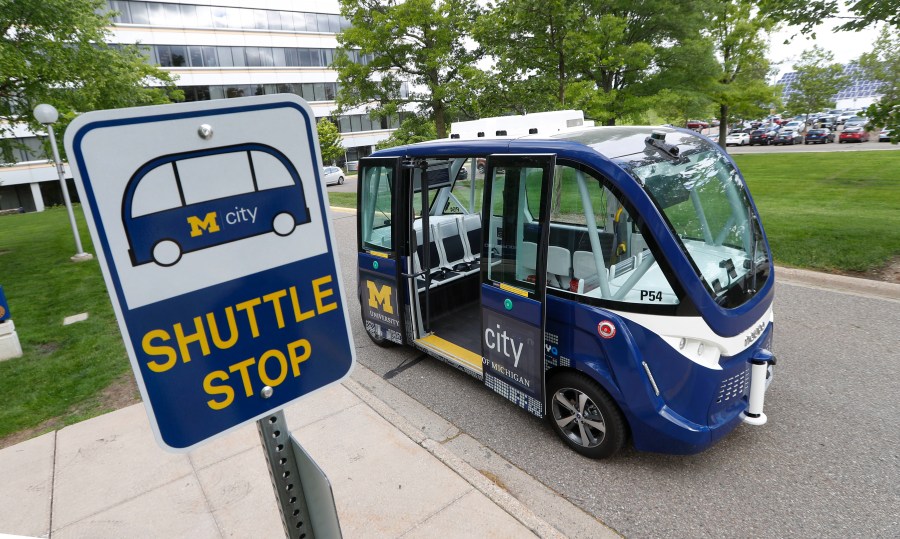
<point>704,201</point>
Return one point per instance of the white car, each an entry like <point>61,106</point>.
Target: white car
<point>737,139</point>
<point>795,126</point>
<point>333,175</point>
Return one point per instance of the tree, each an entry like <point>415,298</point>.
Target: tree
<point>419,43</point>
<point>530,43</point>
<point>883,65</point>
<point>819,78</point>
<point>413,129</point>
<point>607,57</point>
<point>55,51</point>
<point>810,13</point>
<point>736,30</point>
<point>330,141</point>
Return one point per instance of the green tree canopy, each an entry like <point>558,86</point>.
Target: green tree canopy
<point>330,141</point>
<point>883,65</point>
<point>607,57</point>
<point>418,42</point>
<point>809,13</point>
<point>55,51</point>
<point>413,129</point>
<point>819,77</point>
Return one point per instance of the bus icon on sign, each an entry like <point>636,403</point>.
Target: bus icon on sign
<point>185,202</point>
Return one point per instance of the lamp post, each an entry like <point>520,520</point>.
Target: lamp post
<point>47,115</point>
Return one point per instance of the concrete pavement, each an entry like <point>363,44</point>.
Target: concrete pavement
<point>384,453</point>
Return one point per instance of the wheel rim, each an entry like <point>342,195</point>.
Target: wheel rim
<point>578,417</point>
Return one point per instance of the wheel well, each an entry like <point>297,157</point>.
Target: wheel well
<point>604,384</point>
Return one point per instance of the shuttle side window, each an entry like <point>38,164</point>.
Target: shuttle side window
<point>270,172</point>
<point>615,264</point>
<point>215,176</point>
<point>157,191</point>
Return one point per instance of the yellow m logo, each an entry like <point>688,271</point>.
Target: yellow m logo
<point>208,224</point>
<point>380,298</point>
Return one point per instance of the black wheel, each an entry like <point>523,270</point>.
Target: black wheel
<point>340,180</point>
<point>584,415</point>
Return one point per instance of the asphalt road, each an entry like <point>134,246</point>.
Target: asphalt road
<point>826,465</point>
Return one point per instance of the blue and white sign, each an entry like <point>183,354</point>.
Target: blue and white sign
<point>212,229</point>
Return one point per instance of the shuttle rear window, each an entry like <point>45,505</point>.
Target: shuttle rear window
<point>270,172</point>
<point>156,192</point>
<point>215,176</point>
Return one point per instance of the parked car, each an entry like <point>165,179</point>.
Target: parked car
<point>854,134</point>
<point>885,135</point>
<point>697,125</point>
<point>819,136</point>
<point>856,121</point>
<point>826,122</point>
<point>333,175</point>
<point>787,136</point>
<point>759,136</point>
<point>737,138</point>
<point>795,125</point>
<point>846,115</point>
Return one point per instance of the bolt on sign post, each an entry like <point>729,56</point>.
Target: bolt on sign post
<point>212,227</point>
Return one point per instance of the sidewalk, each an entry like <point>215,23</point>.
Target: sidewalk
<point>106,477</point>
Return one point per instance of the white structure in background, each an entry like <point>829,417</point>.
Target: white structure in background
<point>218,49</point>
<point>543,123</point>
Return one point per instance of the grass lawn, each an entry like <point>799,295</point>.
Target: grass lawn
<point>828,211</point>
<point>64,369</point>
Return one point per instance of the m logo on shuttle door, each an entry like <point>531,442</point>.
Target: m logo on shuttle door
<point>380,297</point>
<point>198,226</point>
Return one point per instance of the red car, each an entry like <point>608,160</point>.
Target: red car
<point>854,134</point>
<point>697,125</point>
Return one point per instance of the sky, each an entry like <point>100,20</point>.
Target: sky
<point>845,46</point>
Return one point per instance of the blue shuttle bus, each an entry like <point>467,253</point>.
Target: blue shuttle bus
<point>616,281</point>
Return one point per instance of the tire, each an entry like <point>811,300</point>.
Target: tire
<point>584,416</point>
<point>340,180</point>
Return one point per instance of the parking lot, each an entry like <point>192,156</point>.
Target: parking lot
<point>871,144</point>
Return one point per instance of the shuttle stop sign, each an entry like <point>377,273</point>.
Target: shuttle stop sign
<point>211,226</point>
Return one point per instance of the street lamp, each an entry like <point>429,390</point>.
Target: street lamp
<point>47,115</point>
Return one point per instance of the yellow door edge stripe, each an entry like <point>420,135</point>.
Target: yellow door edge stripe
<point>514,290</point>
<point>453,351</point>
<point>379,254</point>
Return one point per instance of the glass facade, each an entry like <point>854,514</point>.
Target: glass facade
<point>218,56</point>
<point>25,149</point>
<point>224,18</point>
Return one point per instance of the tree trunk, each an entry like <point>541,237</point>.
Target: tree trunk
<point>723,124</point>
<point>440,122</point>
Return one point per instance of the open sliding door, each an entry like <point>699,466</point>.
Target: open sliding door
<point>513,276</point>
<point>381,235</point>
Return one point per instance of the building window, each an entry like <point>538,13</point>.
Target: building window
<point>197,16</point>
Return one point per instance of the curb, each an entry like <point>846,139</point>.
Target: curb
<point>838,283</point>
<point>503,499</point>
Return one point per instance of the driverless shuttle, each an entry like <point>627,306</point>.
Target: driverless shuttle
<point>616,281</point>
